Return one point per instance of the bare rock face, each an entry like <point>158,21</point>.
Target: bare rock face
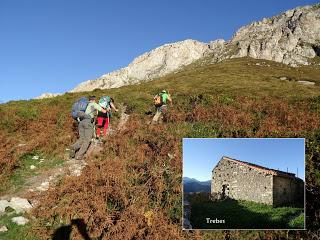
<point>3,205</point>
<point>290,38</point>
<point>47,95</point>
<point>156,63</point>
<point>20,204</point>
<point>20,220</point>
<point>219,50</point>
<point>306,82</point>
<point>3,229</point>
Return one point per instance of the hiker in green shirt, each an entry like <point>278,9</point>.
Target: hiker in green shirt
<point>86,130</point>
<point>93,108</point>
<point>160,101</point>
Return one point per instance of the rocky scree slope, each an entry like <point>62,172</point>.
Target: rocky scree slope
<point>292,38</point>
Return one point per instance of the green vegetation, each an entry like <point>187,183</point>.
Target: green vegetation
<point>15,232</point>
<point>19,178</point>
<point>133,189</point>
<point>28,112</point>
<point>243,215</point>
<point>297,222</point>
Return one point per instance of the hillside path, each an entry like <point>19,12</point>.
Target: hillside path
<point>70,167</point>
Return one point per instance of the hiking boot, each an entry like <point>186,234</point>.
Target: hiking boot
<point>72,153</point>
<point>96,141</point>
<point>78,158</point>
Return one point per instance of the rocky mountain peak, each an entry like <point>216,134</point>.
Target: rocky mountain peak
<point>156,63</point>
<point>47,95</point>
<point>292,38</point>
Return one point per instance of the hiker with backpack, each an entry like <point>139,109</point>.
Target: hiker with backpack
<point>103,119</point>
<point>160,103</point>
<point>84,111</point>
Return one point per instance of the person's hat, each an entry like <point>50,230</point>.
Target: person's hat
<point>164,91</point>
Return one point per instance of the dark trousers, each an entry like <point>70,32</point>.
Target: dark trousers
<point>86,131</point>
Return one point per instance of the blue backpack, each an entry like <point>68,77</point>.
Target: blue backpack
<point>79,108</point>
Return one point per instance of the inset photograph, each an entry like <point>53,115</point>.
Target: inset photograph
<point>243,183</point>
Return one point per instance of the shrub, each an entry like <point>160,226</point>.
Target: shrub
<point>28,112</point>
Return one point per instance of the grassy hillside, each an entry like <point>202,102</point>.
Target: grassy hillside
<point>133,189</point>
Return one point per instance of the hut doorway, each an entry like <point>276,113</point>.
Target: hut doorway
<point>225,191</point>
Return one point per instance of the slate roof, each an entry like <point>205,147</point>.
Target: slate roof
<point>260,168</point>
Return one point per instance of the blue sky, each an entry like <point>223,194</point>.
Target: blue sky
<point>201,155</point>
<point>51,46</point>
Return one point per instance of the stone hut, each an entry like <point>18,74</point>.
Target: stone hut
<point>240,180</point>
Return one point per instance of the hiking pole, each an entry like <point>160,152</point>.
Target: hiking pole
<point>94,130</point>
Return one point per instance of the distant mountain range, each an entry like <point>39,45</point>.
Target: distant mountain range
<point>194,185</point>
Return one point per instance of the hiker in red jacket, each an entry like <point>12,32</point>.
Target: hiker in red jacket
<point>103,119</point>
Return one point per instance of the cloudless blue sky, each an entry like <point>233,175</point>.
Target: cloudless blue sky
<point>200,156</point>
<point>51,46</point>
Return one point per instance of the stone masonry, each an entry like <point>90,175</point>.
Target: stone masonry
<point>240,180</point>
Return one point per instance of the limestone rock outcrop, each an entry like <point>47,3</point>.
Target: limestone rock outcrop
<point>47,95</point>
<point>156,63</point>
<point>20,220</point>
<point>20,205</point>
<point>291,37</point>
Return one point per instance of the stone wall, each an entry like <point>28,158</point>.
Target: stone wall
<point>241,182</point>
<point>287,191</point>
<point>299,195</point>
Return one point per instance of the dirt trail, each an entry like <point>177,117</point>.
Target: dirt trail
<point>72,167</point>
